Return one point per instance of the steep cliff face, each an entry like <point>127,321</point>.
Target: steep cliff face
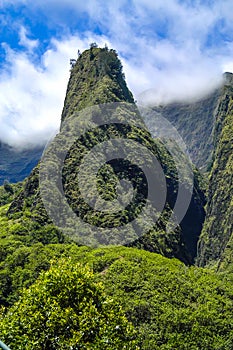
<point>195,123</point>
<point>216,239</point>
<point>206,127</point>
<point>96,79</point>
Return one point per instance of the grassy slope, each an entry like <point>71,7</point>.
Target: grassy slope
<point>170,305</point>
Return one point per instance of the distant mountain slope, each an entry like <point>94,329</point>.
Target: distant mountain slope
<point>16,165</point>
<point>207,129</point>
<point>195,122</point>
<point>216,239</point>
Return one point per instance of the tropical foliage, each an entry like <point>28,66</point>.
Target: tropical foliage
<point>56,294</point>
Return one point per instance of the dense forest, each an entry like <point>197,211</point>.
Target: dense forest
<point>162,289</point>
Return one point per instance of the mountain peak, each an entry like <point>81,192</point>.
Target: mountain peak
<point>96,78</point>
<point>228,78</point>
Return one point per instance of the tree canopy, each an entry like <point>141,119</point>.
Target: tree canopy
<point>66,309</point>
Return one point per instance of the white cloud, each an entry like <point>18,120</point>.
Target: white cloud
<point>168,49</point>
<point>32,94</point>
<point>29,44</point>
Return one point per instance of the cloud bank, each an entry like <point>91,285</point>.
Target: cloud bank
<point>171,51</point>
<point>32,94</point>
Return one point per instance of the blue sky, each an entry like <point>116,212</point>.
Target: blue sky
<point>170,50</point>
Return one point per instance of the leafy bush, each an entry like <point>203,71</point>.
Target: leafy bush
<point>67,309</point>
